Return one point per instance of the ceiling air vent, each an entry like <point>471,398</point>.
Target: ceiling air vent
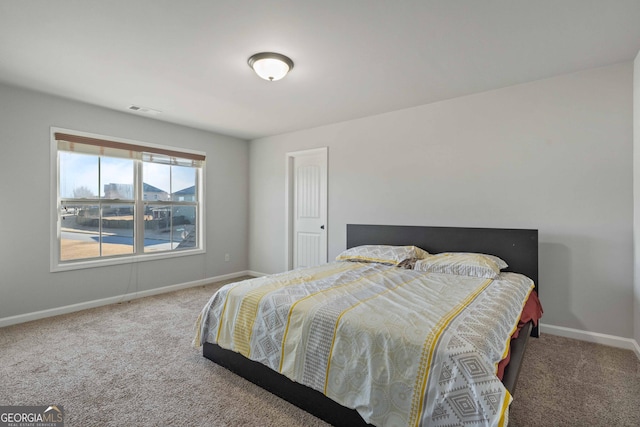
<point>143,110</point>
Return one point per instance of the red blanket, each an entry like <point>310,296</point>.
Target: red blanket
<point>532,312</point>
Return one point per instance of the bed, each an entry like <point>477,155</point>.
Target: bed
<point>518,247</point>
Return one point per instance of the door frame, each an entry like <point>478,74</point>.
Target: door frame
<point>288,202</point>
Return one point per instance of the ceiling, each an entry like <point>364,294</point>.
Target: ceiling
<point>353,58</point>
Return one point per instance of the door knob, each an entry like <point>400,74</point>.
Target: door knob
<point>322,227</point>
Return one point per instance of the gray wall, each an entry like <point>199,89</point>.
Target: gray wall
<point>636,194</point>
<point>555,155</point>
<point>26,285</point>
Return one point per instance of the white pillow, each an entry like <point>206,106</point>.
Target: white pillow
<point>462,264</point>
<point>383,254</point>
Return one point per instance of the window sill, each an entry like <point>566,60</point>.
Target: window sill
<point>104,262</point>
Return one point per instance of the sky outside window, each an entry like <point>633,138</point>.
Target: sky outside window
<point>79,175</point>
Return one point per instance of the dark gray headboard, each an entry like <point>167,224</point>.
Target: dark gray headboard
<point>518,247</point>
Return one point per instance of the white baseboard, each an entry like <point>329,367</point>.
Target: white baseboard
<point>594,337</point>
<point>256,273</point>
<point>27,317</point>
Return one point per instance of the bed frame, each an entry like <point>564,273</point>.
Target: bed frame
<point>518,247</point>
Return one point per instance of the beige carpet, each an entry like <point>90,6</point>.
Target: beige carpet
<point>567,382</point>
<point>133,364</point>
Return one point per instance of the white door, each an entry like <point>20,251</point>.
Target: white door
<point>307,193</point>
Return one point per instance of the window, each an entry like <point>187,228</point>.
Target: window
<point>120,200</point>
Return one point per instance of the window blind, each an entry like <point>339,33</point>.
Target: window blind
<point>103,147</point>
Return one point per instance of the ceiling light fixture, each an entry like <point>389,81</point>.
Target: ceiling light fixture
<point>270,66</point>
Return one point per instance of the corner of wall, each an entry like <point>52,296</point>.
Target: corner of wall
<point>636,200</point>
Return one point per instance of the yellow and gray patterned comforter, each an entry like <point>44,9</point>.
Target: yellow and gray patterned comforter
<point>402,347</point>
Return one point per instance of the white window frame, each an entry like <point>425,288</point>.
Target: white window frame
<point>56,220</point>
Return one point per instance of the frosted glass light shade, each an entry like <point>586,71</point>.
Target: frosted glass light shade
<point>270,66</point>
